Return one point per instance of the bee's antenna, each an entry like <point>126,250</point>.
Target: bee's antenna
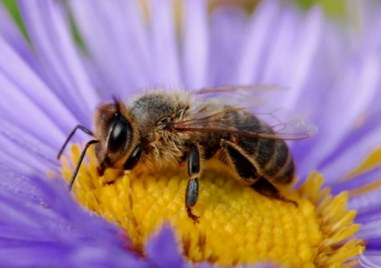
<point>117,104</point>
<point>75,172</point>
<point>87,131</point>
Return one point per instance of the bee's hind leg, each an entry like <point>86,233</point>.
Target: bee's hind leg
<point>191,193</point>
<point>266,188</point>
<point>245,167</point>
<point>240,162</point>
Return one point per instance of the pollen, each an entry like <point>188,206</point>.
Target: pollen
<point>237,225</point>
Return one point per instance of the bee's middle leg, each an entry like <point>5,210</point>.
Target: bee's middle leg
<point>191,193</point>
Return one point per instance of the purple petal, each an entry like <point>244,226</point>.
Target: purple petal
<point>163,249</point>
<point>113,32</point>
<point>257,37</point>
<point>20,85</point>
<point>196,44</point>
<point>49,31</point>
<point>12,36</point>
<point>26,152</point>
<point>44,226</point>
<point>164,44</point>
<point>371,259</point>
<point>227,29</point>
<point>305,47</point>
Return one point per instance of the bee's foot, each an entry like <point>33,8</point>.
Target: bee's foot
<point>281,198</point>
<point>101,170</point>
<point>192,216</point>
<point>266,188</point>
<point>108,183</point>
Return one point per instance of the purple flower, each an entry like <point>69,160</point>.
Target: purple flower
<point>50,84</point>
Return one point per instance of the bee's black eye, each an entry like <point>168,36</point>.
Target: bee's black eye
<point>120,134</point>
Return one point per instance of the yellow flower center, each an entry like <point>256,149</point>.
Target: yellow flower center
<point>237,225</point>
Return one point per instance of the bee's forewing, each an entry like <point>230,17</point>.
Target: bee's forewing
<point>282,124</point>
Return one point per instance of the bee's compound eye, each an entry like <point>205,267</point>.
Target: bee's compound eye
<point>119,135</point>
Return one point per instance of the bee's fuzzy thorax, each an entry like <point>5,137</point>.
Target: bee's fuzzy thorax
<point>161,147</point>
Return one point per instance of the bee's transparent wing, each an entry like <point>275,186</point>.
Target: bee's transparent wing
<point>238,89</point>
<point>274,123</point>
<point>244,95</point>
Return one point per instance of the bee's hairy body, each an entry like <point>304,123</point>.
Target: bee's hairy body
<point>161,128</point>
<point>161,145</point>
<point>164,146</point>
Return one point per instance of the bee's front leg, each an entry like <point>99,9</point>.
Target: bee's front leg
<point>191,193</point>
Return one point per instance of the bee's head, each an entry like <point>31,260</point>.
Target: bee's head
<point>117,135</point>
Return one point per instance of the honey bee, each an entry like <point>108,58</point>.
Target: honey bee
<point>163,127</point>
